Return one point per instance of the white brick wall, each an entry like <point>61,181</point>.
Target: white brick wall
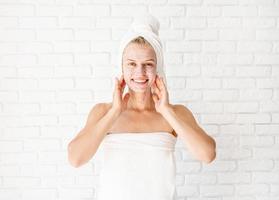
<point>56,62</point>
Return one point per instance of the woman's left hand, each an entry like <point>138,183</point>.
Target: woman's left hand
<point>160,95</point>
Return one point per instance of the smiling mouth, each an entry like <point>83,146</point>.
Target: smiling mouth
<point>140,82</point>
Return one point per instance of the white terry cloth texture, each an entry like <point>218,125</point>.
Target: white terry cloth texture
<point>137,166</point>
<point>148,27</point>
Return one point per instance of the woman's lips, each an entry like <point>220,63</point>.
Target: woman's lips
<point>140,83</point>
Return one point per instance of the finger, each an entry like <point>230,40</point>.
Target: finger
<point>116,83</point>
<point>156,89</point>
<point>126,97</point>
<point>161,85</point>
<point>155,98</point>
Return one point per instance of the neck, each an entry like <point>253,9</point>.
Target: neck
<point>140,101</point>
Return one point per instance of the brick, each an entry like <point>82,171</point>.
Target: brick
<point>224,59</point>
<point>255,165</point>
<point>206,107</point>
<point>37,193</point>
<point>17,108</point>
<point>11,146</point>
<point>188,95</point>
<point>54,10</point>
<point>8,47</point>
<point>55,34</point>
<point>7,71</point>
<point>269,11</point>
<point>20,132</point>
<point>8,22</point>
<point>98,83</point>
<point>9,170</point>
<point>252,189</point>
<point>233,153</point>
<point>216,190</point>
<point>224,22</point>
<point>95,35</point>
<point>212,46</point>
<point>266,59</point>
<point>83,95</point>
<point>17,35</point>
<point>220,166</point>
<point>241,107</point>
<point>218,118</point>
<point>55,59</point>
<point>90,58</point>
<point>17,10</point>
<point>52,84</point>
<point>167,10</point>
<point>201,178</point>
<point>255,94</point>
<point>35,71</point>
<point>187,190</point>
<point>265,177</point>
<point>270,106</point>
<point>19,158</point>
<point>268,35</point>
<point>237,34</point>
<point>188,167</point>
<point>209,34</point>
<point>253,118</point>
<point>41,145</point>
<point>255,141</point>
<point>266,153</point>
<point>92,10</point>
<point>39,96</point>
<point>211,11</point>
<point>14,84</point>
<point>188,22</point>
<point>217,71</point>
<point>220,95</point>
<point>76,22</point>
<point>259,22</point>
<point>113,22</point>
<point>190,46</point>
<point>234,177</point>
<point>19,181</point>
<point>70,71</point>
<point>19,59</point>
<point>259,71</point>
<point>240,11</point>
<point>35,47</point>
<point>38,22</point>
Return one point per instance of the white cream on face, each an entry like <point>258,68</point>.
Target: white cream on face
<point>139,63</point>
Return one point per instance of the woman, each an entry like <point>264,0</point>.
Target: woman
<point>138,132</point>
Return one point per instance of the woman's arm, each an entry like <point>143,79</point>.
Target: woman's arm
<point>85,144</point>
<point>201,145</point>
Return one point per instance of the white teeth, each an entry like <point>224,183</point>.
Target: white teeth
<point>140,81</point>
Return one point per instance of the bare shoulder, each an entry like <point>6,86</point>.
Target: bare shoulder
<point>183,112</point>
<point>97,112</point>
<point>181,108</point>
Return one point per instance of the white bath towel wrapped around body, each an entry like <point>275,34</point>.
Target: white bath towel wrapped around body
<point>138,166</point>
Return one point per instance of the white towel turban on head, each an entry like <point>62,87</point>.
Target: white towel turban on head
<point>146,26</point>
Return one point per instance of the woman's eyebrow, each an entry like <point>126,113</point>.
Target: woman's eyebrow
<point>146,60</point>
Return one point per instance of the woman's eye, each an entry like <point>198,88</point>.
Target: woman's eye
<point>132,64</point>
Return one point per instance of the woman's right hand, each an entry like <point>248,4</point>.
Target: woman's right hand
<point>120,104</point>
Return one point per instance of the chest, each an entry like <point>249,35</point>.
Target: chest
<point>131,122</point>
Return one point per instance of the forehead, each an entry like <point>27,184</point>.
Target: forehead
<point>139,52</point>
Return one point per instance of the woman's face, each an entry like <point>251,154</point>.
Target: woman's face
<point>139,66</point>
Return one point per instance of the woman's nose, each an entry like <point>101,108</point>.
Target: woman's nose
<point>140,69</point>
